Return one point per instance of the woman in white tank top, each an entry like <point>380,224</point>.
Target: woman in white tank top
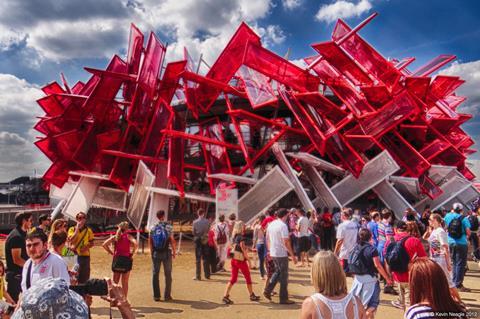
<point>331,300</point>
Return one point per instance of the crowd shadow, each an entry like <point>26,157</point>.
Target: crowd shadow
<point>140,312</point>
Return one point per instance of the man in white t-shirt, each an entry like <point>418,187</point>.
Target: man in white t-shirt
<point>303,236</point>
<point>347,233</point>
<point>279,246</point>
<point>42,263</point>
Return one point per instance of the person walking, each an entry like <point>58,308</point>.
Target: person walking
<point>346,238</point>
<point>439,251</point>
<point>212,247</point>
<point>259,245</point>
<point>429,293</point>
<point>385,233</point>
<point>163,250</point>
<point>81,238</point>
<point>474,226</point>
<point>42,263</point>
<point>279,246</point>
<point>200,227</point>
<point>222,235</point>
<point>124,248</point>
<point>303,239</point>
<point>328,229</point>
<point>399,253</point>
<point>372,225</point>
<point>458,231</point>
<point>240,262</point>
<point>365,264</point>
<point>331,299</point>
<point>16,253</point>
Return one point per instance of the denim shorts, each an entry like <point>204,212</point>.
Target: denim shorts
<point>375,300</point>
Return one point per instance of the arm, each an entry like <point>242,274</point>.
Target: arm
<point>427,233</point>
<point>7,296</point>
<point>17,257</point>
<point>448,261</point>
<point>381,270</point>
<point>308,309</point>
<point>134,243</point>
<point>174,246</point>
<point>338,245</point>
<point>361,310</point>
<point>150,243</point>
<point>245,251</point>
<point>106,245</point>
<point>289,248</point>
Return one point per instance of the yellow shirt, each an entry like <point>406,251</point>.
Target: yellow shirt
<point>2,286</point>
<point>84,238</point>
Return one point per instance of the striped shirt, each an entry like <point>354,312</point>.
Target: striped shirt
<point>385,231</point>
<point>419,311</point>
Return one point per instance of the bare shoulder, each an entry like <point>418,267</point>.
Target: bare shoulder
<point>308,309</point>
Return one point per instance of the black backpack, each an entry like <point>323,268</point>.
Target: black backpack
<point>473,222</point>
<point>356,262</point>
<point>455,228</point>
<point>397,256</point>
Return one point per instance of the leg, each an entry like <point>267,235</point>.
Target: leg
<point>275,277</point>
<point>167,269</point>
<point>261,258</point>
<point>463,254</point>
<point>205,257</point>
<point>125,278</point>
<point>155,275</point>
<point>454,255</point>
<point>283,278</point>
<point>198,258</point>
<point>116,277</point>
<point>246,274</point>
<point>14,282</point>
<point>83,269</point>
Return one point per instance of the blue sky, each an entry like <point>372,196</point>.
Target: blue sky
<point>41,38</point>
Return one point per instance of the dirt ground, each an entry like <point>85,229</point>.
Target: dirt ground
<point>202,299</point>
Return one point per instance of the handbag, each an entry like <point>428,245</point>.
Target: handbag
<point>122,264</point>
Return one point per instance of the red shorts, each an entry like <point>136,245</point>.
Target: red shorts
<point>243,267</point>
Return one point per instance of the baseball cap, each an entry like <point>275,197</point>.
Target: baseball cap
<point>457,206</point>
<point>51,298</point>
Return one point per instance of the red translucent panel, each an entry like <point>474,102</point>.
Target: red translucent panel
<point>454,101</point>
<point>61,146</point>
<point>189,87</point>
<point>376,95</point>
<point>257,86</point>
<point>176,151</point>
<point>170,80</point>
<point>414,133</point>
<point>434,148</point>
<point>324,106</point>
<point>401,65</point>
<point>154,138</point>
<point>357,104</point>
<point>90,85</point>
<point>340,150</point>
<point>57,174</point>
<point>135,47</point>
<point>152,61</point>
<point>444,85</point>
<point>362,143</point>
<point>414,163</point>
<point>59,124</point>
<point>343,63</point>
<point>418,86</point>
<point>109,139</point>
<point>226,65</point>
<point>78,87</point>
<point>389,116</point>
<point>433,65</point>
<point>457,136</point>
<point>372,61</point>
<point>140,109</point>
<point>279,69</point>
<point>428,186</point>
<point>466,172</point>
<point>87,151</point>
<point>53,88</point>
<point>41,127</point>
<point>51,105</point>
<point>313,124</point>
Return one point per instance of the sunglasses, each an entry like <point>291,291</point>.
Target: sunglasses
<point>81,217</point>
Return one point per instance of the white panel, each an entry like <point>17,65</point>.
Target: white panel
<point>81,198</point>
<point>408,187</point>
<point>392,198</point>
<point>290,172</point>
<point>138,201</point>
<point>318,162</point>
<point>268,190</point>
<point>325,197</point>
<point>64,192</point>
<point>374,172</point>
<point>111,198</point>
<point>157,202</point>
<point>233,178</point>
<point>172,192</point>
<point>226,201</point>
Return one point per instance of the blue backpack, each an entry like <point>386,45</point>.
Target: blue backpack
<point>397,256</point>
<point>160,237</point>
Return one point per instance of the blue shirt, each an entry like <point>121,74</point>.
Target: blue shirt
<point>465,223</point>
<point>373,227</point>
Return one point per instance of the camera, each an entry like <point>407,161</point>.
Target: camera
<point>93,287</point>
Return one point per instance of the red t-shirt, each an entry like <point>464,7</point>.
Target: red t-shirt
<point>414,248</point>
<point>267,221</point>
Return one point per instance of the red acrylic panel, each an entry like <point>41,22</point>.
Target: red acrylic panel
<point>189,87</point>
<point>226,65</point>
<point>41,127</point>
<point>78,87</point>
<point>343,63</point>
<point>257,87</point>
<point>450,157</point>
<point>170,80</point>
<point>434,149</point>
<point>428,186</point>
<point>152,61</point>
<point>53,88</point>
<point>433,65</point>
<point>176,151</point>
<point>418,86</point>
<point>324,106</point>
<point>443,85</point>
<point>462,168</point>
<point>154,138</point>
<point>61,146</point>
<point>140,110</point>
<point>340,150</point>
<point>405,154</point>
<point>57,174</point>
<point>414,132</point>
<point>59,124</point>
<point>51,105</point>
<point>372,61</point>
<point>135,48</point>
<point>400,108</point>
<point>377,95</point>
<point>87,89</point>
<point>279,69</point>
<point>362,143</point>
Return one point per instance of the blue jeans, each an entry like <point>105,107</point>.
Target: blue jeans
<point>202,254</point>
<point>280,275</point>
<point>262,253</point>
<point>458,254</point>
<point>159,257</point>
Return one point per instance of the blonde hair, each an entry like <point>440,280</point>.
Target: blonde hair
<point>237,228</point>
<point>123,226</point>
<point>327,275</point>
<point>56,227</point>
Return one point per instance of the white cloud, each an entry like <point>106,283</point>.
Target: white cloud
<point>342,9</point>
<point>470,72</point>
<point>291,4</point>
<point>18,111</point>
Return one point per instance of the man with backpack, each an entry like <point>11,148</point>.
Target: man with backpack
<point>458,228</point>
<point>398,254</point>
<point>221,240</point>
<point>474,225</point>
<point>162,248</point>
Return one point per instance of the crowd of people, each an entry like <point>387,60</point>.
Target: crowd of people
<point>422,258</point>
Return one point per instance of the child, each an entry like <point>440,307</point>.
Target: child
<point>6,308</point>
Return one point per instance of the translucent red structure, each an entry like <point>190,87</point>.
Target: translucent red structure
<point>349,105</point>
